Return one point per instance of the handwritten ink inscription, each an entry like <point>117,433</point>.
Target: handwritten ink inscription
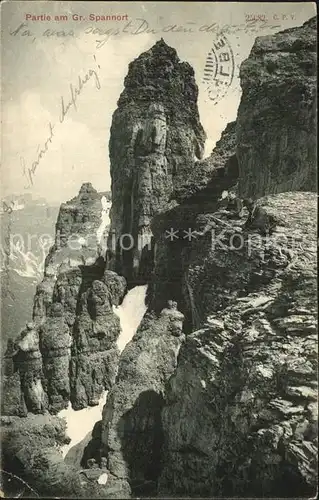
<point>24,30</point>
<point>75,91</point>
<point>66,105</point>
<point>101,35</point>
<point>7,208</point>
<point>140,26</point>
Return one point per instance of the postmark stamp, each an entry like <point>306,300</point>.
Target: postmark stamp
<point>219,69</point>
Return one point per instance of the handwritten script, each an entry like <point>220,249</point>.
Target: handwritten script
<point>66,105</point>
<point>139,26</point>
<point>7,208</point>
<point>134,27</point>
<point>75,91</point>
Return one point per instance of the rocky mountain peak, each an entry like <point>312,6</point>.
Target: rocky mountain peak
<point>156,135</point>
<point>49,352</point>
<point>159,75</point>
<point>162,48</point>
<point>86,194</point>
<point>87,188</point>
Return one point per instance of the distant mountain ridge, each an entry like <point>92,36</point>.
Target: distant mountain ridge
<point>27,229</point>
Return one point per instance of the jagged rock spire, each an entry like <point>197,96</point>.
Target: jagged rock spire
<point>155,136</point>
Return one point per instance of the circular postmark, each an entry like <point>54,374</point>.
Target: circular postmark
<point>219,69</point>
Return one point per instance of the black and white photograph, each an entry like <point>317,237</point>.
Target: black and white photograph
<point>158,252</point>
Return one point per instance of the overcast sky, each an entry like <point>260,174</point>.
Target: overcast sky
<point>37,71</point>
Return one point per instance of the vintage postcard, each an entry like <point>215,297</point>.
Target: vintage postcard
<point>158,249</point>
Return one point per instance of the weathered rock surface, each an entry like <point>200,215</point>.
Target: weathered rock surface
<point>57,363</point>
<point>25,441</point>
<point>155,137</point>
<point>30,451</point>
<point>131,431</point>
<point>235,268</point>
<point>177,227</point>
<point>77,243</point>
<point>12,401</point>
<point>94,351</point>
<point>276,122</point>
<point>69,352</point>
<point>239,416</point>
<point>233,412</point>
<point>213,174</point>
<point>22,375</point>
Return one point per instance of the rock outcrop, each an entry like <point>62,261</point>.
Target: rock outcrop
<point>69,351</point>
<point>95,353</point>
<point>240,410</point>
<point>174,230</point>
<point>219,171</point>
<point>78,242</point>
<point>130,436</point>
<point>155,137</point>
<point>29,450</point>
<point>238,414</point>
<point>215,398</point>
<point>277,121</point>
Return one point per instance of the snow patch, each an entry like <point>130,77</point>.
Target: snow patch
<point>105,219</point>
<point>81,422</point>
<point>130,312</point>
<point>103,478</point>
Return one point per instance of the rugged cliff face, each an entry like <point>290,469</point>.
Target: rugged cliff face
<point>216,393</point>
<point>176,229</point>
<point>131,433</point>
<point>80,238</point>
<point>240,412</point>
<point>211,175</point>
<point>30,451</point>
<point>155,137</point>
<point>69,351</point>
<point>276,124</point>
<point>237,415</point>
<point>95,353</point>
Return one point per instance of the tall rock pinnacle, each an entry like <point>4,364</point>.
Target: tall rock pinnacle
<point>68,352</point>
<point>155,137</point>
